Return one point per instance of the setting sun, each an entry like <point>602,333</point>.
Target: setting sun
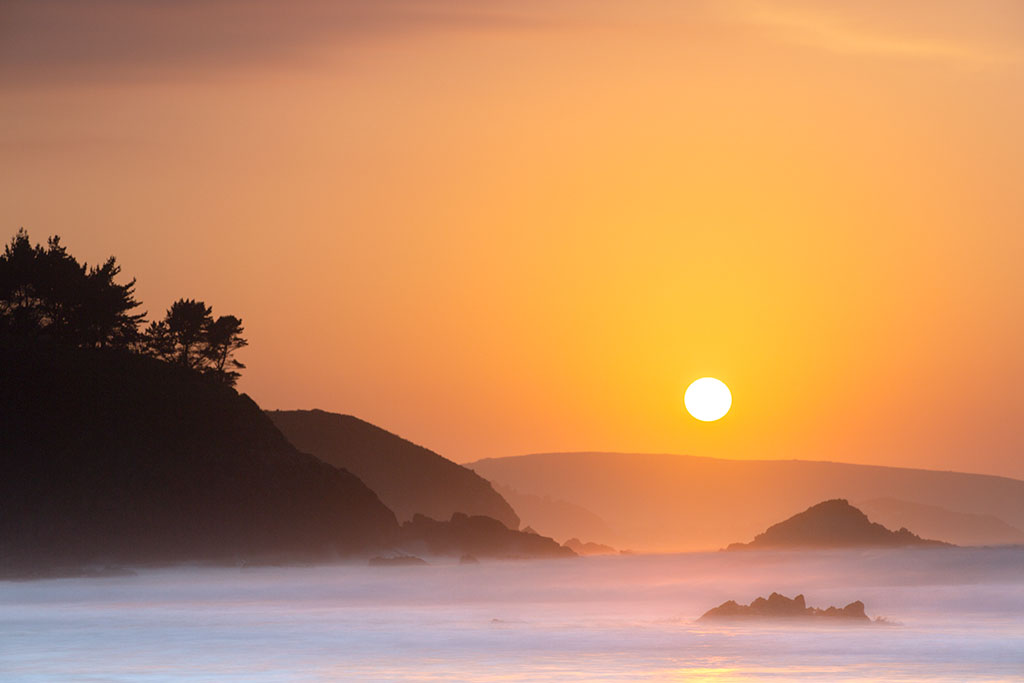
<point>708,399</point>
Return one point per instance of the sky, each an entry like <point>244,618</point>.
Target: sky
<point>500,227</point>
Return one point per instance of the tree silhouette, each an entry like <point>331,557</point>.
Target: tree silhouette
<point>45,293</point>
<point>19,296</point>
<point>105,319</point>
<point>190,336</point>
<point>179,337</point>
<point>223,338</point>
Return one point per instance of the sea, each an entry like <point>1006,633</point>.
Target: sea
<point>946,614</point>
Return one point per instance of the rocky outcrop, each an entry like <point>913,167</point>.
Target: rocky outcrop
<point>475,535</point>
<point>589,548</point>
<point>832,524</point>
<point>778,606</point>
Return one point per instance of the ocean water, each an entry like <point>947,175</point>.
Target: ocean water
<point>952,615</point>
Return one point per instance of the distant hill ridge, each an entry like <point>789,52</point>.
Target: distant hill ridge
<point>832,524</point>
<point>962,528</point>
<point>562,520</point>
<point>409,479</point>
<point>668,502</point>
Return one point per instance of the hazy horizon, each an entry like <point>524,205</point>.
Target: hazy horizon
<point>584,451</point>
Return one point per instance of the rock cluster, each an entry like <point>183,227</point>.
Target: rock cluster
<point>778,606</point>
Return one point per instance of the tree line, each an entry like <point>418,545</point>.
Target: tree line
<point>46,295</point>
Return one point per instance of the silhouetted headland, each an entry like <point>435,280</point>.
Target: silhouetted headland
<point>832,524</point>
<point>408,478</point>
<point>127,444</point>
<point>777,606</point>
<point>119,458</point>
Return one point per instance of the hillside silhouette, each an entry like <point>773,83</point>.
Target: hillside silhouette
<point>123,442</point>
<point>408,478</point>
<point>676,502</point>
<point>114,457</point>
<point>831,524</point>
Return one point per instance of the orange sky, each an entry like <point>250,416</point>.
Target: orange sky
<point>502,227</point>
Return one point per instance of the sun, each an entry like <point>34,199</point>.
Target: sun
<point>708,399</point>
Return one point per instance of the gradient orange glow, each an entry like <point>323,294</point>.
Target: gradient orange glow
<point>527,226</point>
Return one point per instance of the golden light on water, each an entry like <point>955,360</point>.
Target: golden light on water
<point>708,399</point>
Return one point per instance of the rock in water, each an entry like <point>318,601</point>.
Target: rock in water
<point>778,606</point>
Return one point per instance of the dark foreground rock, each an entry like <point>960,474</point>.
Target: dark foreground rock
<point>113,459</point>
<point>777,606</point>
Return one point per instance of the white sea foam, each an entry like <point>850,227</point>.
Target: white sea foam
<point>958,613</point>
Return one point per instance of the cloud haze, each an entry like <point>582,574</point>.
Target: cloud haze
<point>982,33</point>
<point>131,39</point>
